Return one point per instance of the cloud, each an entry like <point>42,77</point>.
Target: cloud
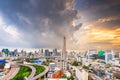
<point>101,23</point>
<point>9,34</point>
<point>43,22</point>
<point>108,19</point>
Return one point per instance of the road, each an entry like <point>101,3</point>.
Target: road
<point>33,71</point>
<point>41,74</point>
<point>32,77</point>
<point>13,71</point>
<point>94,77</point>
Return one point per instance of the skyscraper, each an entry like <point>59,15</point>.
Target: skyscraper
<point>55,52</point>
<point>41,50</point>
<point>109,55</point>
<point>64,53</point>
<point>47,53</point>
<point>62,60</point>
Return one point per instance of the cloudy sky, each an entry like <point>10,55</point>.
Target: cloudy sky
<point>87,24</point>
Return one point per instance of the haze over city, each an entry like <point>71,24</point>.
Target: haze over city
<point>87,24</point>
<point>59,39</point>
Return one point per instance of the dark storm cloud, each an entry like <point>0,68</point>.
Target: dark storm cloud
<point>99,8</point>
<point>41,20</point>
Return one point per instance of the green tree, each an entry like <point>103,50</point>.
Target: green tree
<point>75,63</point>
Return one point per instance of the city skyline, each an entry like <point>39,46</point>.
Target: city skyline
<point>42,24</point>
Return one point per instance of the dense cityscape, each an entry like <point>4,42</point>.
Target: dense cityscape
<point>59,39</point>
<point>54,65</point>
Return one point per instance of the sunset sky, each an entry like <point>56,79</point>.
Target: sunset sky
<point>87,24</point>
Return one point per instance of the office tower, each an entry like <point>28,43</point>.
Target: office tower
<point>55,52</point>
<point>47,53</point>
<point>109,55</point>
<point>41,50</point>
<point>15,52</point>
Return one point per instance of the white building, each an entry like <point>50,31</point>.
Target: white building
<point>91,52</point>
<point>7,66</point>
<point>119,55</point>
<point>61,64</point>
<point>80,74</point>
<point>85,61</point>
<point>114,62</point>
<point>61,61</point>
<point>109,56</point>
<point>84,75</point>
<point>52,66</point>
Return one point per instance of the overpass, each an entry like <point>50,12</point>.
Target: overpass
<point>94,77</point>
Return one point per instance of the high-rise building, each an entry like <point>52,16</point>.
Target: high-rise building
<point>55,52</point>
<point>119,55</point>
<point>64,53</point>
<point>41,50</point>
<point>109,55</point>
<point>47,53</point>
<point>62,60</point>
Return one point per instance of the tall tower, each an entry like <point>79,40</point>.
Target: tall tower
<point>64,53</point>
<point>64,44</point>
<point>62,60</point>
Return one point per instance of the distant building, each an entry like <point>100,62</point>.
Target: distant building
<point>91,52</point>
<point>119,55</point>
<point>47,53</point>
<point>55,52</point>
<point>15,52</point>
<point>109,55</point>
<point>52,66</point>
<point>41,50</point>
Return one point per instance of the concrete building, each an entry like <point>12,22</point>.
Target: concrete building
<point>91,52</point>
<point>52,66</point>
<point>55,52</point>
<point>109,55</point>
<point>61,61</point>
<point>41,50</point>
<point>47,54</point>
<point>64,53</point>
<point>119,55</point>
<point>84,75</point>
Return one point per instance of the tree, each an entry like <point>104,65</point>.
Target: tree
<point>75,63</point>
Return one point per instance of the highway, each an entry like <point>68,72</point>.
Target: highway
<point>32,73</point>
<point>41,74</point>
<point>13,71</point>
<point>94,77</point>
<point>32,77</point>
